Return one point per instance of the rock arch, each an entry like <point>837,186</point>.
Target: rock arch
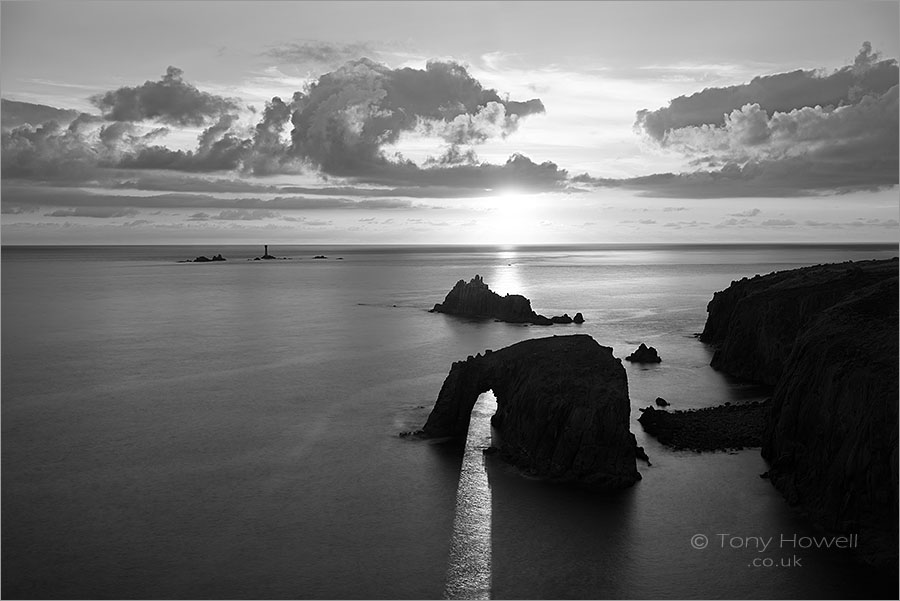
<point>562,409</point>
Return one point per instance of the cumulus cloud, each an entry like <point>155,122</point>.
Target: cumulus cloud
<point>792,134</point>
<point>782,93</point>
<point>342,121</point>
<point>340,125</point>
<point>170,100</point>
<point>47,151</point>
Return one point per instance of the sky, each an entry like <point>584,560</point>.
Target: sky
<point>449,122</point>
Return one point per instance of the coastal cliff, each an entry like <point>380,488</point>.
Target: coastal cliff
<point>826,337</point>
<point>831,439</point>
<point>475,299</point>
<point>755,321</point>
<point>562,409</point>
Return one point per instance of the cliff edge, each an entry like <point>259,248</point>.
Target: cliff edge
<point>827,338</point>
<point>562,409</point>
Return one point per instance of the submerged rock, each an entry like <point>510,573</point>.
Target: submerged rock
<point>475,299</point>
<point>562,409</point>
<point>644,354</point>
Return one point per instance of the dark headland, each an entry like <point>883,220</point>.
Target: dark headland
<point>562,409</point>
<point>826,338</point>
<point>476,300</point>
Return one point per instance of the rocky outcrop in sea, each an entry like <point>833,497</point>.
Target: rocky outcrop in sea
<point>562,409</point>
<point>476,300</point>
<point>644,354</point>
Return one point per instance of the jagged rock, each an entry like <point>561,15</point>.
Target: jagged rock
<point>475,299</point>
<point>661,402</point>
<point>826,336</point>
<point>644,354</point>
<point>562,409</point>
<point>320,257</point>
<point>579,318</point>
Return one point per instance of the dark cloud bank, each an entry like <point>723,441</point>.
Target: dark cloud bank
<point>788,134</point>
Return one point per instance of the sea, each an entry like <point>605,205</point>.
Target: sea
<point>231,430</point>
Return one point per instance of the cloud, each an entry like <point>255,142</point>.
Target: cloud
<point>30,196</point>
<point>749,213</point>
<point>246,215</point>
<point>8,209</point>
<point>868,127</point>
<point>783,92</point>
<point>766,148</point>
<point>322,53</point>
<point>47,151</point>
<point>342,121</point>
<point>95,212</point>
<point>778,223</point>
<point>518,172</point>
<point>15,114</point>
<point>169,100</point>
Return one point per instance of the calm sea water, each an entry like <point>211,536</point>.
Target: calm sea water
<point>230,430</point>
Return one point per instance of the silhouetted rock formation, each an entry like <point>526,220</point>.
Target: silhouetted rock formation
<point>205,259</point>
<point>475,299</point>
<point>643,354</point>
<point>562,409</point>
<point>661,402</point>
<point>579,318</point>
<point>320,257</point>
<point>826,336</point>
<point>755,321</point>
<point>708,429</point>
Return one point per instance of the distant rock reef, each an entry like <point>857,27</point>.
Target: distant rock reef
<point>476,300</point>
<point>562,409</point>
<point>827,338</point>
<point>204,259</point>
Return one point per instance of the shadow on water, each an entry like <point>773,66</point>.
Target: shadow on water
<point>552,541</point>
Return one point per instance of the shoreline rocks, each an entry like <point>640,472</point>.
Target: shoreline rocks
<point>719,428</point>
<point>476,300</point>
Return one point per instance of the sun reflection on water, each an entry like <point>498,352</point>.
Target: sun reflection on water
<point>469,569</point>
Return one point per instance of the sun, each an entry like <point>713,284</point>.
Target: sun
<point>513,219</point>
